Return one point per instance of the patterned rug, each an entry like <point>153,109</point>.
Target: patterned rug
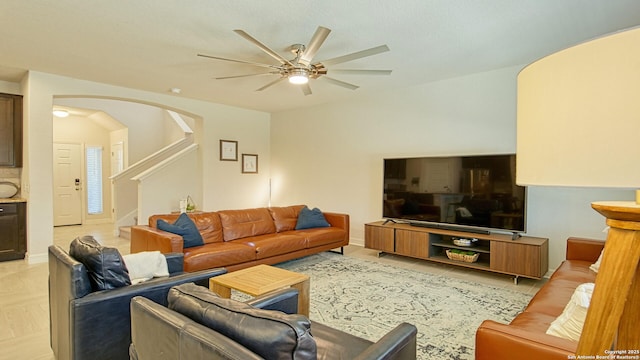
<point>368,299</point>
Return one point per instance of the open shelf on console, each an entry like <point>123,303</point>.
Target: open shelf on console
<point>481,247</point>
<point>480,264</point>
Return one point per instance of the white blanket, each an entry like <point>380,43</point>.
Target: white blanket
<point>145,265</point>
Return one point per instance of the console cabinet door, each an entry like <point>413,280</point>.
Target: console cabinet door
<point>517,258</point>
<point>412,243</point>
<point>379,238</point>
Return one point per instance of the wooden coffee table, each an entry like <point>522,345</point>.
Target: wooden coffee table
<point>261,279</point>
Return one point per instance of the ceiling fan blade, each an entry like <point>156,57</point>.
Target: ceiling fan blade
<point>263,47</point>
<point>339,83</point>
<point>271,83</point>
<point>246,75</point>
<point>360,72</point>
<point>239,61</point>
<point>356,55</point>
<point>314,44</point>
<point>306,89</point>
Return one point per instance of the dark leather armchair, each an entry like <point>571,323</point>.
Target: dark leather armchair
<point>185,330</point>
<point>86,324</point>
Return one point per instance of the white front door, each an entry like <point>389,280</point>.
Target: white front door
<point>67,184</point>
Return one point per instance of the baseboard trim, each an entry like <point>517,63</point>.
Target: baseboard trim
<point>37,258</point>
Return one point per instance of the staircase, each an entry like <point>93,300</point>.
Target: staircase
<point>136,189</point>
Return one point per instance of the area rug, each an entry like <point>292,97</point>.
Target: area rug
<point>368,299</point>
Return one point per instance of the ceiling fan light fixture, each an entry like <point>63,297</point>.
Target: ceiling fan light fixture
<point>299,76</point>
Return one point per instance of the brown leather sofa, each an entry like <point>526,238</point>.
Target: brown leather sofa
<point>525,337</point>
<point>236,239</point>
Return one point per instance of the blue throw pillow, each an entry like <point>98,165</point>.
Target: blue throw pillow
<point>184,227</point>
<point>311,219</point>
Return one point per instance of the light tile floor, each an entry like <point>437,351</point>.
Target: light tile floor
<point>24,305</point>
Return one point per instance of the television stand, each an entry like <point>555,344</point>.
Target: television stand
<point>528,257</point>
<point>389,221</point>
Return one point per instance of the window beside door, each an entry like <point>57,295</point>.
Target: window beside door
<point>94,180</point>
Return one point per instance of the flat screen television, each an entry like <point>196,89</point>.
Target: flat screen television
<point>475,193</point>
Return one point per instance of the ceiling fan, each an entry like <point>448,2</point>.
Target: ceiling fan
<point>300,69</point>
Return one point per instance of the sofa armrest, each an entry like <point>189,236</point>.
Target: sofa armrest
<point>105,315</point>
<point>399,343</point>
<point>495,341</point>
<point>338,220</point>
<point>285,300</point>
<point>146,238</point>
<point>584,249</point>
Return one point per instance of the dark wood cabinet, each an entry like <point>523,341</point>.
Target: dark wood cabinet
<point>10,130</point>
<point>13,232</point>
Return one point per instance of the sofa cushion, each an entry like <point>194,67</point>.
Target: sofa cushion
<point>217,255</point>
<point>238,224</point>
<point>184,227</point>
<point>270,334</point>
<point>105,265</point>
<point>570,323</point>
<point>209,226</point>
<point>321,236</point>
<point>533,322</point>
<point>285,217</point>
<point>308,218</point>
<point>574,270</point>
<point>270,245</point>
<point>552,297</point>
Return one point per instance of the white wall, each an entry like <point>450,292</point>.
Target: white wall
<point>330,156</point>
<point>10,88</point>
<point>224,185</point>
<point>176,179</point>
<point>228,188</point>
<point>147,126</point>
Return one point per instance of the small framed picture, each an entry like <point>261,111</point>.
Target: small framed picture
<point>228,150</point>
<point>249,163</point>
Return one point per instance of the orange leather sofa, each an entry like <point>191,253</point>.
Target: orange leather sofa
<point>525,337</point>
<point>236,239</point>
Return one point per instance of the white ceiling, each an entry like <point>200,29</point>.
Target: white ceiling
<point>152,44</point>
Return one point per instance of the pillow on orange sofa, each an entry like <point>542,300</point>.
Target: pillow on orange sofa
<point>311,219</point>
<point>184,227</point>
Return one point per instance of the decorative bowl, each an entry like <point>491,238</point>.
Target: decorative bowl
<point>464,242</point>
<point>7,189</point>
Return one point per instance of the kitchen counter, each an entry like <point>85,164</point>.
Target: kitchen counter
<point>12,200</point>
